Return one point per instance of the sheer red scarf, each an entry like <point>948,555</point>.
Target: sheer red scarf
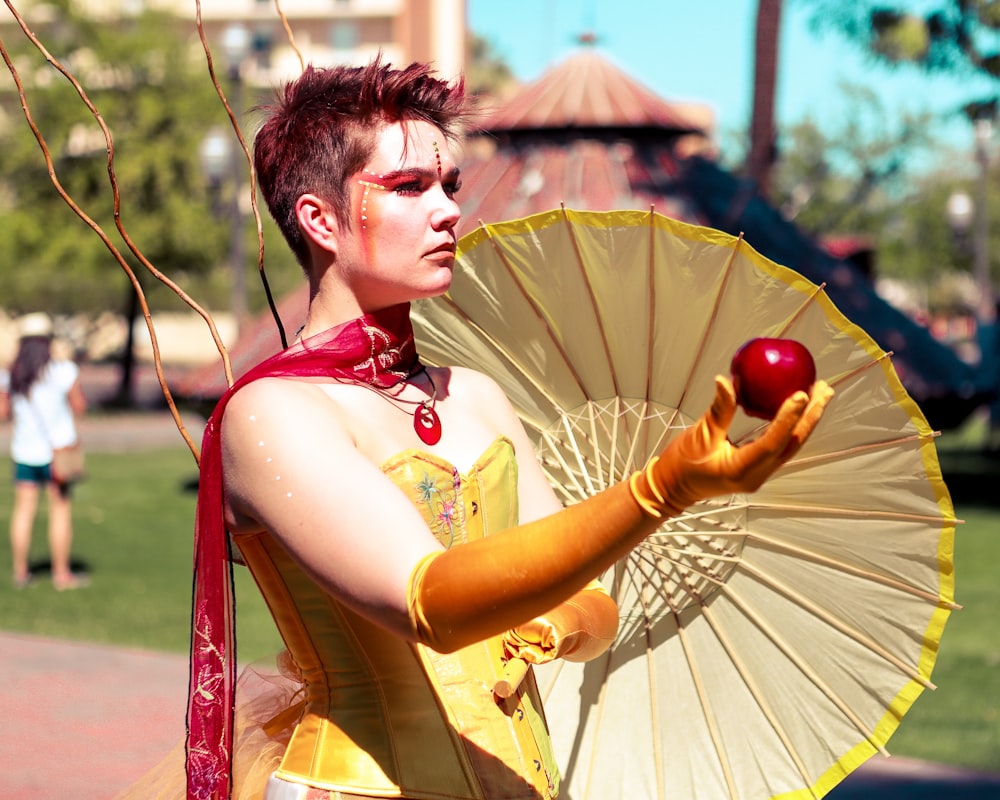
<point>377,349</point>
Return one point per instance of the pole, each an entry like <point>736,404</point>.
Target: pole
<point>981,255</point>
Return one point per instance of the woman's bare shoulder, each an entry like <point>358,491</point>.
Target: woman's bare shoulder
<point>465,381</point>
<point>282,403</point>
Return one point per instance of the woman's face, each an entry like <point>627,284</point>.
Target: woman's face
<point>404,216</point>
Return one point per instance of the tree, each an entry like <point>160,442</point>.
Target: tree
<point>488,73</point>
<point>146,75</point>
<point>847,180</point>
<point>958,37</point>
<point>763,146</point>
<point>158,103</point>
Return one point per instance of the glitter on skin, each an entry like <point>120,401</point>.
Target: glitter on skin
<point>369,185</point>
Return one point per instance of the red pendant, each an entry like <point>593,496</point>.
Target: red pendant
<point>427,424</point>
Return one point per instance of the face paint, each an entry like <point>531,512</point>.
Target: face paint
<point>404,213</point>
<point>369,185</point>
<point>269,459</point>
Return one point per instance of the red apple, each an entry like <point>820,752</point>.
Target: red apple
<point>766,372</point>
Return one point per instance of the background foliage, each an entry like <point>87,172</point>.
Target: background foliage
<point>148,78</point>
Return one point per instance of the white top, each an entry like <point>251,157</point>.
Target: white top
<point>43,419</point>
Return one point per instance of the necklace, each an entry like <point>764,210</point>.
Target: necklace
<point>426,422</point>
<point>378,351</point>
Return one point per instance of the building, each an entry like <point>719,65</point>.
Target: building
<point>334,32</point>
<point>311,31</point>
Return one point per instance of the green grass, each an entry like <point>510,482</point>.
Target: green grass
<point>959,722</point>
<point>133,520</point>
<point>133,531</point>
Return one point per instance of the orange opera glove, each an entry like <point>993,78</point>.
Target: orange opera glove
<point>483,588</point>
<point>703,463</point>
<point>577,629</point>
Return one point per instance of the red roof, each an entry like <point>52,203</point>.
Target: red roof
<point>588,91</point>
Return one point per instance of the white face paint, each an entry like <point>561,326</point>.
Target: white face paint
<point>269,459</point>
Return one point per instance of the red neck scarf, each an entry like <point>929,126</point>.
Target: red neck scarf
<point>377,349</point>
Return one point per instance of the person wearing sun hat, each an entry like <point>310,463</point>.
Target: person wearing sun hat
<point>41,394</point>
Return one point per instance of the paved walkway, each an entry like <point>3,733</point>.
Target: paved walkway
<point>85,721</point>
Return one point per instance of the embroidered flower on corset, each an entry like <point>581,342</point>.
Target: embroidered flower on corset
<point>442,505</point>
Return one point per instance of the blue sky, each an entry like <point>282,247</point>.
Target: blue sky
<point>702,50</point>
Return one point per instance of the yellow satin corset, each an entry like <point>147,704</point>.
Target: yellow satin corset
<point>393,719</point>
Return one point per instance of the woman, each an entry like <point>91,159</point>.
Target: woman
<point>42,396</point>
<point>393,515</point>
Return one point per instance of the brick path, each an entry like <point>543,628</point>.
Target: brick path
<point>85,721</point>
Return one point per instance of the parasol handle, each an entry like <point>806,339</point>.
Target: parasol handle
<point>513,673</point>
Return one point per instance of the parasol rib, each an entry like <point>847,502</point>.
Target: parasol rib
<point>901,516</point>
<point>847,630</point>
<point>651,327</point>
<point>713,730</point>
<point>557,453</point>
<point>658,444</point>
<point>759,698</point>
<point>598,713</point>
<point>612,453</point>
<point>727,271</point>
<point>838,455</point>
<point>682,551</point>
<point>790,322</point>
<point>585,280</point>
<point>596,449</point>
<point>835,382</point>
<point>574,448</point>
<point>629,461</point>
<point>624,573</point>
<point>559,488</point>
<point>815,678</point>
<point>533,305</point>
<point>651,290</point>
<point>843,566</point>
<point>657,736</point>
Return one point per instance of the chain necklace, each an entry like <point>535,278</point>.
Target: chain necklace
<point>426,422</point>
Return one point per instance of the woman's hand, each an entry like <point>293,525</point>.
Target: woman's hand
<point>702,462</point>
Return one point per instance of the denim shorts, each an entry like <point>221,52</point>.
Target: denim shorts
<point>29,473</point>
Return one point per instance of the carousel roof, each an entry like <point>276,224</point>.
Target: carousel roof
<point>587,92</point>
<point>585,134</point>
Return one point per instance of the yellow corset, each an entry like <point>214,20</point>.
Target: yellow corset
<point>389,718</point>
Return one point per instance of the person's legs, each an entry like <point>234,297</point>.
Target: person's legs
<point>61,538</point>
<point>22,519</point>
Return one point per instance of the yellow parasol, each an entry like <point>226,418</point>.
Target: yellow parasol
<point>769,643</point>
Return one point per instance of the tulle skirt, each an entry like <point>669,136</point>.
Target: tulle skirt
<point>269,702</point>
